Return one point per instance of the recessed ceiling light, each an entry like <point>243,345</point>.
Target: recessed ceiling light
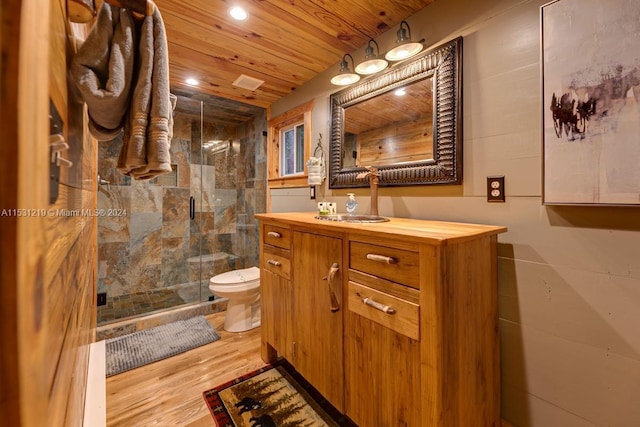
<point>401,92</point>
<point>192,82</point>
<point>238,13</point>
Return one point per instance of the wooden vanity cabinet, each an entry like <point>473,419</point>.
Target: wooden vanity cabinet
<point>300,319</point>
<point>276,292</point>
<point>318,321</point>
<point>417,324</point>
<point>382,334</point>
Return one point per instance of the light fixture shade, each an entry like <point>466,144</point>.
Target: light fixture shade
<point>372,62</point>
<point>345,76</point>
<point>405,48</point>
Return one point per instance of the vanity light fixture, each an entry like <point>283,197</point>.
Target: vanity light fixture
<point>405,48</point>
<point>345,76</point>
<point>372,61</point>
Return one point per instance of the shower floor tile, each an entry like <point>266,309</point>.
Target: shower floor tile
<point>124,306</point>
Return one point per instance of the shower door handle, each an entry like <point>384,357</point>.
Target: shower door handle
<point>192,207</point>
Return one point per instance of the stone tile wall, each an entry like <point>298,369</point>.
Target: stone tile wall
<point>154,252</point>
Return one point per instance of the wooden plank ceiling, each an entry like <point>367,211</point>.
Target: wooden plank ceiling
<point>283,42</point>
<point>387,109</point>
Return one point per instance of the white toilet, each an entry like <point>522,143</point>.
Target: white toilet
<point>242,289</point>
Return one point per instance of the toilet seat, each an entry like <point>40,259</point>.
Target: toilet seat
<point>236,280</point>
<point>242,290</point>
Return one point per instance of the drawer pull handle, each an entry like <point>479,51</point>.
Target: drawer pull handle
<point>377,305</point>
<point>274,234</point>
<point>382,258</point>
<point>335,306</point>
<point>274,262</point>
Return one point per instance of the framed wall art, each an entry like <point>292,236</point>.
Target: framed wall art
<point>591,102</point>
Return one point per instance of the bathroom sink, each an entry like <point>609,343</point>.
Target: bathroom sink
<point>352,218</point>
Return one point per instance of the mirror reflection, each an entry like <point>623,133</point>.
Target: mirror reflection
<point>405,121</point>
<point>394,127</point>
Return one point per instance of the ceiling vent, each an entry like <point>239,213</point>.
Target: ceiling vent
<point>246,82</point>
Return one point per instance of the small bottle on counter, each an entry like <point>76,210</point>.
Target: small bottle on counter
<point>352,204</point>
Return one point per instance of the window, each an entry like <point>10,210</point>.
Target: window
<point>289,147</point>
<point>292,150</point>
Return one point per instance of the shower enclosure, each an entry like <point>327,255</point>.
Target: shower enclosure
<point>181,228</point>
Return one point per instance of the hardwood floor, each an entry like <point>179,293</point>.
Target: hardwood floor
<point>169,392</point>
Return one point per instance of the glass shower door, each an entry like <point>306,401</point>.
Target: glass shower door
<point>187,226</point>
<point>148,259</point>
<point>233,189</point>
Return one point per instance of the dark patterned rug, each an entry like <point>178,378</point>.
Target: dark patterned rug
<point>157,343</point>
<point>271,396</point>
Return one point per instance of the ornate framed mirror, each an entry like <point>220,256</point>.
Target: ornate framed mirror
<point>406,122</point>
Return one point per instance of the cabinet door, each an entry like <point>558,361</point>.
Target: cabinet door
<point>276,322</point>
<point>318,330</point>
<point>382,378</point>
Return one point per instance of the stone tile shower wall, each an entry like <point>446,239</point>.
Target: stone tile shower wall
<point>156,257</point>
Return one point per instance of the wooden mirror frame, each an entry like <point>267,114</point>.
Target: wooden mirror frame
<point>444,64</point>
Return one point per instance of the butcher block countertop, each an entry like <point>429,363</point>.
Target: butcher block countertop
<point>432,232</point>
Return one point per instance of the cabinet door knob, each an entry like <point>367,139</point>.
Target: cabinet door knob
<point>382,258</point>
<point>274,234</point>
<point>335,306</point>
<point>274,262</point>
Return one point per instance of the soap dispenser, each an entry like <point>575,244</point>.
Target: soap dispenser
<point>352,204</point>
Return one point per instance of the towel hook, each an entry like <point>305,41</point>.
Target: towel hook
<point>142,7</point>
<point>151,7</point>
<point>319,147</point>
<point>316,168</point>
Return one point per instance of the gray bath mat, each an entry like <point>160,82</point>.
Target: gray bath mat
<point>150,345</point>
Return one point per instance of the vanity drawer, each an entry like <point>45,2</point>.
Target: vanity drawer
<point>401,315</point>
<point>394,264</point>
<point>277,236</point>
<point>277,263</point>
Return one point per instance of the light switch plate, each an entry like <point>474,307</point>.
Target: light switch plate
<point>495,189</point>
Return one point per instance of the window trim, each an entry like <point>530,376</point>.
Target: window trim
<point>300,114</point>
<point>293,128</point>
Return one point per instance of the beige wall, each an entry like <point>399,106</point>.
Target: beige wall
<point>569,278</point>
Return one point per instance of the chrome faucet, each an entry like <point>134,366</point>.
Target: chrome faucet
<point>374,178</point>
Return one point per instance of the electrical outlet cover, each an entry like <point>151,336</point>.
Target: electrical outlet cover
<point>495,189</point>
<point>102,298</point>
